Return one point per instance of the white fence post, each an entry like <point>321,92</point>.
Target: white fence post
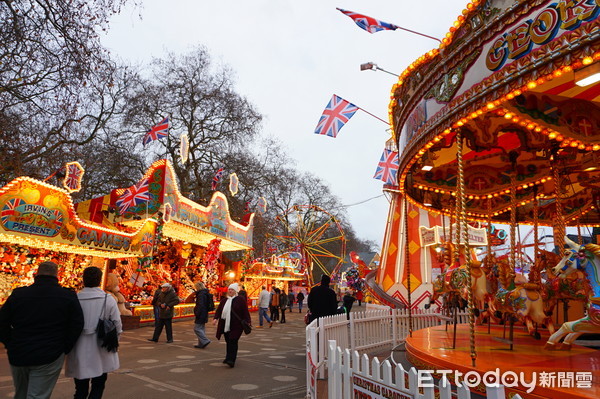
<point>334,374</point>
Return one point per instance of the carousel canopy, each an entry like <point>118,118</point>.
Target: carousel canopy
<point>157,196</point>
<point>507,78</point>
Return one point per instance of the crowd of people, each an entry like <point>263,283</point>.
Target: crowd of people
<point>66,326</point>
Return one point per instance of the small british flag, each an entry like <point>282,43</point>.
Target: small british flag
<point>369,24</point>
<point>158,131</point>
<point>335,116</point>
<point>216,179</point>
<point>387,169</point>
<point>134,195</point>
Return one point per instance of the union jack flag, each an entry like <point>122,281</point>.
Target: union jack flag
<point>8,211</point>
<point>387,169</point>
<point>369,24</point>
<point>73,176</point>
<point>158,131</point>
<point>217,178</point>
<point>335,116</point>
<point>134,195</point>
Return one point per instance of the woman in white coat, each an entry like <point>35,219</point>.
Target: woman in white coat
<point>88,361</point>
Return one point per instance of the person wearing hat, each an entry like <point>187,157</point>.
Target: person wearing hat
<point>322,300</point>
<point>165,301</point>
<point>228,317</point>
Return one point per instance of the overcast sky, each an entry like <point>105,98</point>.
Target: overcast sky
<point>288,58</point>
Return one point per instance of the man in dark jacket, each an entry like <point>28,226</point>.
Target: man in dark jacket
<point>201,313</point>
<point>322,300</point>
<point>166,301</point>
<point>39,324</point>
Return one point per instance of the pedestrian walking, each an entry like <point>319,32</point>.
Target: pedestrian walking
<point>283,304</point>
<point>347,302</point>
<point>88,362</point>
<point>166,301</point>
<point>39,324</point>
<point>243,293</point>
<point>300,300</point>
<point>203,306</point>
<point>155,308</point>
<point>291,300</point>
<point>359,296</point>
<point>322,300</point>
<point>228,317</point>
<point>263,305</point>
<point>274,305</point>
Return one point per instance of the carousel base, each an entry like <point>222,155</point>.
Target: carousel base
<point>558,374</point>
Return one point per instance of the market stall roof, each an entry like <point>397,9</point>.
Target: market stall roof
<point>287,266</point>
<point>40,215</point>
<point>505,78</point>
<point>183,219</point>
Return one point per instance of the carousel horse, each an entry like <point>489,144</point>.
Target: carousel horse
<point>452,286</point>
<point>585,258</point>
<point>524,301</point>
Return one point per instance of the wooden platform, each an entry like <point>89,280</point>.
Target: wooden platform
<point>431,349</point>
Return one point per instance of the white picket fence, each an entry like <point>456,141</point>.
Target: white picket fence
<point>351,374</point>
<point>370,331</point>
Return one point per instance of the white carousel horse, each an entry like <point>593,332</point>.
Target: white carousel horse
<point>585,258</point>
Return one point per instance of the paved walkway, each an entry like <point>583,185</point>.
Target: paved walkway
<point>271,364</point>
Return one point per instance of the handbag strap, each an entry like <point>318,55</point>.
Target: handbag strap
<point>104,305</point>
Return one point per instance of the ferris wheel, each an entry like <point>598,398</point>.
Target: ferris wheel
<point>316,234</point>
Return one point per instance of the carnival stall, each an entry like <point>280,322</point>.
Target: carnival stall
<point>189,241</point>
<point>38,222</point>
<point>501,124</point>
<point>283,271</point>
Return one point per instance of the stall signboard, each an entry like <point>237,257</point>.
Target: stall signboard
<point>33,212</point>
<point>366,388</point>
<point>436,235</point>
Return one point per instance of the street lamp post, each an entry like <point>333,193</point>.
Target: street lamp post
<point>374,67</point>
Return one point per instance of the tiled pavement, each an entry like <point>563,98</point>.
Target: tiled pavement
<point>271,364</point>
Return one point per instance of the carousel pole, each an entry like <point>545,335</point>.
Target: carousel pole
<point>488,257</point>
<point>463,216</point>
<point>407,264</point>
<point>559,228</point>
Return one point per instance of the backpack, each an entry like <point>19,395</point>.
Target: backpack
<point>211,302</point>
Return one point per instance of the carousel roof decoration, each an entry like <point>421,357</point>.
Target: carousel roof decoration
<point>184,148</point>
<point>186,220</point>
<point>40,215</point>
<point>233,184</point>
<point>518,107</point>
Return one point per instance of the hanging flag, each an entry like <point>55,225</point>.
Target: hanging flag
<point>387,169</point>
<point>247,207</point>
<point>369,24</point>
<point>184,148</point>
<point>336,114</point>
<point>158,131</point>
<point>133,196</point>
<point>217,178</point>
<point>73,175</point>
<point>262,205</point>
<point>233,184</point>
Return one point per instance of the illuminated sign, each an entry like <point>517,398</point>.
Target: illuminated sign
<point>540,29</point>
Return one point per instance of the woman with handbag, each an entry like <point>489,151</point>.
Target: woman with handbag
<point>88,361</point>
<point>232,317</point>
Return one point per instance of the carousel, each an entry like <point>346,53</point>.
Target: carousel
<point>501,125</point>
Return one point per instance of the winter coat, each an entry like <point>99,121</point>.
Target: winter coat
<point>283,300</point>
<point>347,302</point>
<point>300,297</point>
<point>264,299</point>
<point>291,299</point>
<point>88,359</point>
<point>40,322</point>
<point>201,308</point>
<point>240,307</point>
<point>275,299</point>
<point>170,299</point>
<point>322,301</point>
